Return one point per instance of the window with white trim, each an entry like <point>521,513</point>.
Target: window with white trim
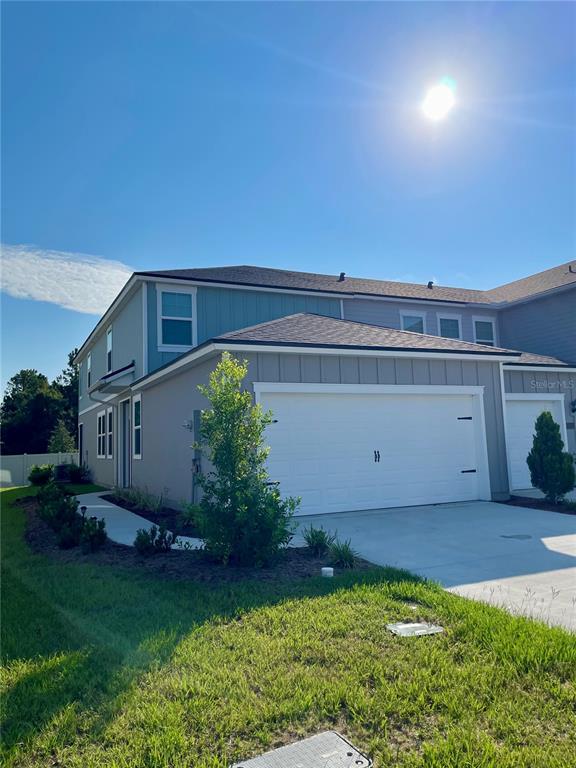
<point>484,331</point>
<point>109,350</point>
<point>175,319</point>
<point>110,434</point>
<point>89,370</point>
<point>449,326</point>
<point>413,321</point>
<point>101,435</point>
<point>137,427</point>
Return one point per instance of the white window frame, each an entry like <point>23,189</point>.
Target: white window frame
<point>89,370</point>
<point>484,319</point>
<point>136,399</point>
<point>162,288</point>
<point>109,343</point>
<point>109,433</point>
<point>421,315</point>
<point>448,316</point>
<point>101,435</point>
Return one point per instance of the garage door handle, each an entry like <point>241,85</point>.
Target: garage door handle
<point>464,418</point>
<point>467,471</point>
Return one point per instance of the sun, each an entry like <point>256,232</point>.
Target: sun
<point>439,100</point>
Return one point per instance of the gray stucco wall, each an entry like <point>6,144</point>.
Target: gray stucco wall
<point>387,313</point>
<point>127,345</point>
<point>546,326</point>
<point>165,466</point>
<point>544,382</point>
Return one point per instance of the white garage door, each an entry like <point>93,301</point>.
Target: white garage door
<point>348,451</point>
<point>521,415</point>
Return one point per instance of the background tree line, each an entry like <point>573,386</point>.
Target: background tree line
<point>39,416</point>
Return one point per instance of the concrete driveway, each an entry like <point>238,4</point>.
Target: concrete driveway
<point>521,559</point>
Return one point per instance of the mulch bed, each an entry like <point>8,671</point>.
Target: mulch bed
<point>170,518</point>
<point>294,563</point>
<point>525,501</point>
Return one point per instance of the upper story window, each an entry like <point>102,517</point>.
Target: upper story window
<point>176,319</point>
<point>484,332</point>
<point>449,326</point>
<point>89,370</point>
<point>109,350</point>
<point>413,321</point>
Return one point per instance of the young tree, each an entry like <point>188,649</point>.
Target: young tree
<point>241,517</point>
<point>551,468</point>
<point>61,441</point>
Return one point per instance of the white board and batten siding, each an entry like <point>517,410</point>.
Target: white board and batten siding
<point>522,410</point>
<point>355,447</point>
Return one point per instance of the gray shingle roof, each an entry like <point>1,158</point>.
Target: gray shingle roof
<point>311,330</point>
<point>529,358</point>
<point>310,281</point>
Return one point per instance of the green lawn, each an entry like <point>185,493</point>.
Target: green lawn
<point>107,667</point>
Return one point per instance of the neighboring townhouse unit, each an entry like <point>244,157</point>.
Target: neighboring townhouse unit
<point>384,393</point>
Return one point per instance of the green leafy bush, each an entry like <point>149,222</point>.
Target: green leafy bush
<point>551,468</point>
<point>59,510</point>
<point>93,535</point>
<point>79,474</point>
<point>318,540</point>
<point>154,540</point>
<point>342,554</point>
<point>241,517</point>
<point>40,474</point>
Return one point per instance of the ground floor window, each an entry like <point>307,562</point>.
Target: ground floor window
<point>101,431</point>
<point>137,427</point>
<point>110,451</point>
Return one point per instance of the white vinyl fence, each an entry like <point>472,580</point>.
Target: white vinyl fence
<point>14,470</point>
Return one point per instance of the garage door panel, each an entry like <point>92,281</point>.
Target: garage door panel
<point>322,449</point>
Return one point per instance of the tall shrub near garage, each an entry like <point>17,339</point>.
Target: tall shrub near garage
<point>551,467</point>
<point>242,519</point>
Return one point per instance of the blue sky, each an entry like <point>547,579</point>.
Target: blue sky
<point>159,135</point>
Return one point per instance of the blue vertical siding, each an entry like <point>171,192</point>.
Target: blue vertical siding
<point>227,309</point>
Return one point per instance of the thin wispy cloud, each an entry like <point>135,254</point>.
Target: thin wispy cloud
<point>75,281</point>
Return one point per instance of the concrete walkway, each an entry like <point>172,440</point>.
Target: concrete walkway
<point>521,559</point>
<point>121,524</point>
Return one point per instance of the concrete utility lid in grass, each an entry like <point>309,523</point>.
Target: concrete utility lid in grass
<point>414,629</point>
<point>325,750</point>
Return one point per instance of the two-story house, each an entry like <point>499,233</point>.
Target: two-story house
<point>384,393</point>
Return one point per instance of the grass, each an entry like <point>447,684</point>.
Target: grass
<point>106,667</point>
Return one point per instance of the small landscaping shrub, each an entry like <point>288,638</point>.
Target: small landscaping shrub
<point>40,474</point>
<point>318,540</point>
<point>140,499</point>
<point>79,474</point>
<point>69,535</point>
<point>59,510</point>
<point>342,554</point>
<point>551,468</point>
<point>242,519</point>
<point>154,540</point>
<point>93,535</point>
